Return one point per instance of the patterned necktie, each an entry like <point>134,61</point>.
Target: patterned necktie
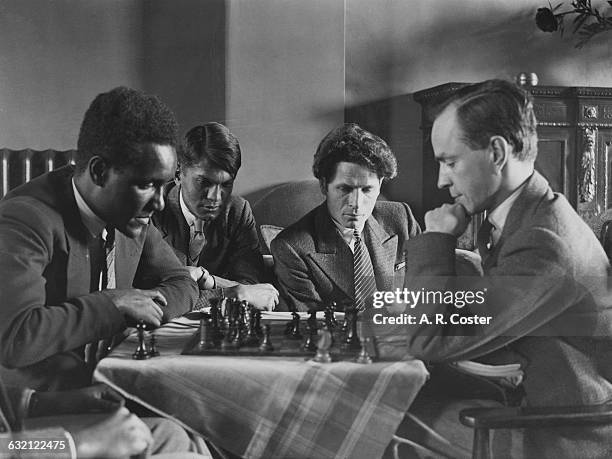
<point>108,269</point>
<point>365,284</point>
<point>96,351</point>
<point>484,239</point>
<point>197,240</point>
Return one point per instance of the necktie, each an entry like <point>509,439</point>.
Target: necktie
<point>365,284</point>
<point>484,239</point>
<point>197,240</point>
<point>96,351</point>
<point>108,269</point>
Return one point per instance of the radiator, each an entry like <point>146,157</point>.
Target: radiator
<point>21,166</point>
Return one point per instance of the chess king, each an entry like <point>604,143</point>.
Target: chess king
<point>351,245</point>
<point>212,231</point>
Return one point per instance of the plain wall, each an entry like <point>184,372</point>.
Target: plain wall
<point>397,47</point>
<point>285,85</point>
<point>55,56</point>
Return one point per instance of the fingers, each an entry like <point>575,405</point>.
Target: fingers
<point>157,297</point>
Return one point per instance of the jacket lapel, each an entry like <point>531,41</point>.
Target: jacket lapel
<point>174,227</point>
<point>535,189</point>
<point>383,249</point>
<point>332,254</point>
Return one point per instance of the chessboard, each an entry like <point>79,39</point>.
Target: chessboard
<point>236,329</point>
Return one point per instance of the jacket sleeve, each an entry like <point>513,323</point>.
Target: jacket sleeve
<point>532,284</point>
<point>295,284</point>
<point>31,328</point>
<point>244,261</point>
<point>160,269</point>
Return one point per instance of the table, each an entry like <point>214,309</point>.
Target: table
<point>268,406</point>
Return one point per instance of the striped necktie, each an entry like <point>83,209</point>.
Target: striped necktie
<point>365,283</point>
<point>197,240</point>
<point>96,351</point>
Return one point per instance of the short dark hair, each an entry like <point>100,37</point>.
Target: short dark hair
<point>353,144</point>
<point>120,120</point>
<point>215,143</point>
<point>497,107</point>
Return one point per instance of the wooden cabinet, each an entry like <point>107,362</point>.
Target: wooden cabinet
<point>574,139</point>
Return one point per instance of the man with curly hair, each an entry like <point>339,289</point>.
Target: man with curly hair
<point>351,245</point>
<point>79,259</point>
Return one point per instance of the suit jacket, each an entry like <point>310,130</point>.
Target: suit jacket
<point>48,313</point>
<point>314,264</point>
<point>546,291</point>
<point>232,246</point>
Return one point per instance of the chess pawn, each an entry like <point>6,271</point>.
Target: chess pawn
<point>352,340</point>
<point>323,345</point>
<point>258,327</point>
<point>141,352</point>
<point>153,346</point>
<point>266,343</point>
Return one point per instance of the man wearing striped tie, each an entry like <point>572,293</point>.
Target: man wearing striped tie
<point>351,245</point>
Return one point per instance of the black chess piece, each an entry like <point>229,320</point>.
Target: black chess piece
<point>153,346</point>
<point>266,343</point>
<point>352,339</point>
<point>258,327</point>
<point>330,318</point>
<point>251,338</point>
<point>295,326</point>
<point>323,345</point>
<point>141,352</point>
<point>312,327</point>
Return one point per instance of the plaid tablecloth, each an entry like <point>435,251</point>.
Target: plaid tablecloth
<point>269,407</point>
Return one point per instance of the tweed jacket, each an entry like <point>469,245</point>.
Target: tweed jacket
<point>314,265</point>
<point>47,313</point>
<point>232,247</point>
<point>545,285</point>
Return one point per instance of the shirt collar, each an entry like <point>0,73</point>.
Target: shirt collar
<point>189,217</point>
<point>92,222</point>
<point>498,216</point>
<point>346,233</point>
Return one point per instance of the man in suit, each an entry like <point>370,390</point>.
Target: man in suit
<point>86,423</point>
<point>78,257</point>
<point>212,231</point>
<point>350,245</point>
<point>544,285</point>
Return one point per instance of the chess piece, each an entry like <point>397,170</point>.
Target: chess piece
<point>153,346</point>
<point>352,340</point>
<point>364,355</point>
<point>141,352</point>
<point>251,338</point>
<point>323,345</point>
<point>266,343</point>
<point>258,327</point>
<point>206,334</point>
<point>330,319</point>
<point>295,326</point>
<point>309,344</point>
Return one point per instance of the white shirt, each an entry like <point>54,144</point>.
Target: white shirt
<point>94,224</point>
<point>347,234</point>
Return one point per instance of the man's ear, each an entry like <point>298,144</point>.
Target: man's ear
<point>98,168</point>
<point>500,150</point>
<point>323,186</point>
